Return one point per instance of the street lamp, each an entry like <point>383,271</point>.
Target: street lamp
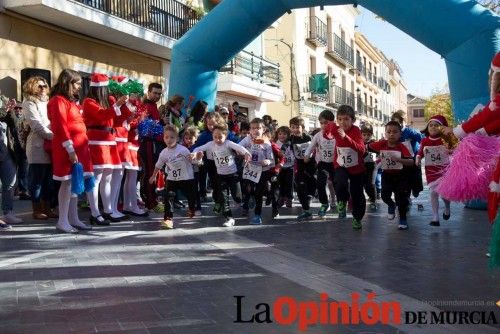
<point>358,94</point>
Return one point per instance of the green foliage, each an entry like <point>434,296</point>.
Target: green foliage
<point>439,104</point>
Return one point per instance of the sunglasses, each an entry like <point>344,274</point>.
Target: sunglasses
<point>18,108</point>
<point>42,86</point>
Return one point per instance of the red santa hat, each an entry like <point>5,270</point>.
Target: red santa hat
<point>99,80</point>
<point>495,69</point>
<point>120,79</point>
<point>439,119</point>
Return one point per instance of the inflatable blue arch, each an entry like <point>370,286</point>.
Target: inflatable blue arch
<point>463,32</point>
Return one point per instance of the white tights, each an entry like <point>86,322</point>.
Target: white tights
<point>102,186</point>
<point>68,207</point>
<point>130,192</point>
<point>116,183</point>
<point>435,206</point>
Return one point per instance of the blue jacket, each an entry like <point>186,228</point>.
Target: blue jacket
<point>414,137</point>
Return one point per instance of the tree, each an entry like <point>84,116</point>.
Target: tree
<point>439,104</point>
<point>493,5</point>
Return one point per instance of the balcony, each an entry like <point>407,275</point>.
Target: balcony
<point>369,111</point>
<point>251,76</point>
<point>317,33</point>
<point>341,51</point>
<point>150,26</point>
<point>339,96</point>
<point>360,67</point>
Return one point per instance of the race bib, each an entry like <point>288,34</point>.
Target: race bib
<point>289,158</point>
<point>252,172</point>
<point>223,158</point>
<point>299,150</point>
<point>176,170</point>
<point>347,157</point>
<point>436,156</point>
<point>387,162</point>
<point>326,150</point>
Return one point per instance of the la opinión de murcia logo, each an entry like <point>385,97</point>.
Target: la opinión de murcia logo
<point>287,311</point>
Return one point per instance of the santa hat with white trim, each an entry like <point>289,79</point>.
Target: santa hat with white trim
<point>99,80</point>
<point>495,69</point>
<point>439,119</point>
<point>120,79</point>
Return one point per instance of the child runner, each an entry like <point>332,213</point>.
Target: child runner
<point>370,173</point>
<point>189,137</point>
<point>179,175</point>
<point>285,176</point>
<point>304,176</point>
<point>256,173</point>
<point>273,187</point>
<point>349,166</point>
<point>394,157</point>
<point>222,151</point>
<point>325,149</point>
<point>434,151</point>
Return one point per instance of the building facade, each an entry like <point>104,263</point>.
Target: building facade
<point>415,111</point>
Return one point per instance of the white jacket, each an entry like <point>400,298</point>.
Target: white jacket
<point>35,114</point>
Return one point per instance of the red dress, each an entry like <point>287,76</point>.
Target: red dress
<point>67,124</point>
<point>486,122</point>
<point>121,126</point>
<point>133,136</point>
<point>102,143</point>
<point>434,150</point>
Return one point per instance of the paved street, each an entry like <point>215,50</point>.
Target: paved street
<point>131,277</point>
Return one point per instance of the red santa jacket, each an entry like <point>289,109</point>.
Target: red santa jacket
<point>99,121</point>
<point>353,139</point>
<point>484,122</point>
<point>121,122</point>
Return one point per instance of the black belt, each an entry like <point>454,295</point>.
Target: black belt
<point>102,128</point>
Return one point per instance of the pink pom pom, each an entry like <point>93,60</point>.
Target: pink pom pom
<point>469,173</point>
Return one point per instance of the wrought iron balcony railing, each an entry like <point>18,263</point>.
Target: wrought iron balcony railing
<point>254,67</point>
<point>317,32</point>
<point>339,96</point>
<point>167,17</point>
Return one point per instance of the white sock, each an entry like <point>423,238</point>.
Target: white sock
<point>73,212</point>
<point>435,206</point>
<point>116,183</point>
<point>93,196</point>
<point>130,192</point>
<point>105,190</point>
<point>64,197</point>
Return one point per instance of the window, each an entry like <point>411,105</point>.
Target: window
<point>418,113</point>
<point>312,64</point>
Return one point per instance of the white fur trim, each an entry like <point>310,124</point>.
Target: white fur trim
<point>70,149</point>
<point>459,132</point>
<point>133,167</point>
<point>482,132</point>
<point>61,178</point>
<point>88,173</point>
<point>118,112</point>
<point>495,69</point>
<point>492,105</point>
<point>108,166</point>
<point>67,143</point>
<point>133,148</point>
<point>102,142</point>
<point>121,140</point>
<point>99,84</point>
<point>131,107</point>
<point>124,81</point>
<point>494,187</point>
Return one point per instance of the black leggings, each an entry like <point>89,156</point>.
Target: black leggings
<point>214,179</point>
<point>368,181</point>
<point>285,181</point>
<point>350,185</point>
<point>230,184</point>
<point>187,187</point>
<point>325,171</point>
<point>258,190</point>
<point>398,184</point>
<point>306,188</point>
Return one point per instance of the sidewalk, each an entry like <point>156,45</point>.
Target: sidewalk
<point>131,277</point>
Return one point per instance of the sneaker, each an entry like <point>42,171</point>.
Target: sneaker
<point>304,215</point>
<point>403,225</point>
<point>288,203</point>
<point>10,218</point>
<point>341,206</point>
<point>229,222</point>
<point>191,213</point>
<point>276,213</point>
<point>178,204</point>
<point>4,226</point>
<point>391,213</point>
<point>420,207</point>
<point>167,224</point>
<point>373,206</point>
<point>251,202</point>
<point>446,216</point>
<point>217,208</point>
<point>322,210</point>
<point>356,224</point>
<point>197,213</point>
<point>256,220</point>
<point>159,208</point>
<point>434,223</point>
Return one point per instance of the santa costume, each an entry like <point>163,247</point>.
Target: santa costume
<point>69,136</point>
<point>487,122</point>
<point>102,143</point>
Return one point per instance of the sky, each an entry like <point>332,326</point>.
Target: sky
<point>423,70</point>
